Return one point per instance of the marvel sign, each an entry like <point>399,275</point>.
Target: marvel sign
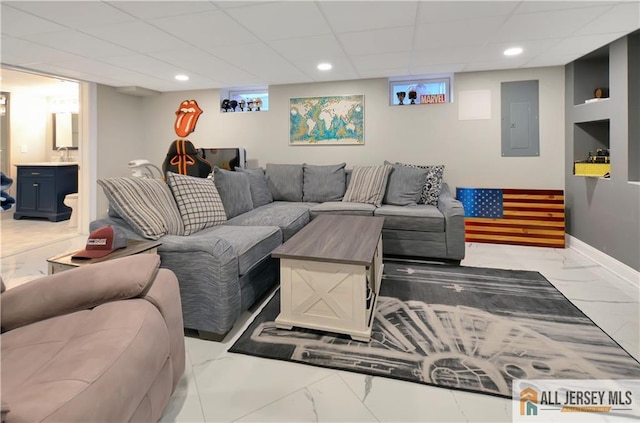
<point>432,98</point>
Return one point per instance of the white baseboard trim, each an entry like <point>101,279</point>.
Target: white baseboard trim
<point>627,273</point>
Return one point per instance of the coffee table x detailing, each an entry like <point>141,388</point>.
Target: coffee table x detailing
<point>330,274</point>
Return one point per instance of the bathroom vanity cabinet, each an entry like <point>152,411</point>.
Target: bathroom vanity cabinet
<point>41,188</point>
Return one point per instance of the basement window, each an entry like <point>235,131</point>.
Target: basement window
<point>426,90</point>
<point>247,99</point>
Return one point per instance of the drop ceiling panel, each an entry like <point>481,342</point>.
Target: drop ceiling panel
<point>494,65</point>
<point>77,43</point>
<point>320,47</point>
<point>352,16</point>
<point>205,64</point>
<point>456,33</point>
<point>625,17</point>
<point>137,36</point>
<point>74,14</point>
<point>31,53</point>
<point>445,11</point>
<point>281,20</point>
<point>582,43</point>
<point>260,60</point>
<point>531,49</point>
<point>439,69</point>
<point>399,60</point>
<point>377,42</point>
<point>388,71</point>
<point>547,6</point>
<point>206,30</point>
<point>342,70</point>
<point>161,9</point>
<point>17,23</point>
<point>443,55</point>
<point>145,65</point>
<point>535,26</point>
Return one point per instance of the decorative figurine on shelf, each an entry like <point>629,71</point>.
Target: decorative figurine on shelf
<point>412,96</point>
<point>249,105</point>
<point>241,103</point>
<point>225,105</point>
<point>401,95</point>
<point>258,104</point>
<point>233,104</point>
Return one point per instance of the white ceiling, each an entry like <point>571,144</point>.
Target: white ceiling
<point>246,43</point>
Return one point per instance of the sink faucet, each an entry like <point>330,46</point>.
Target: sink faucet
<point>64,154</point>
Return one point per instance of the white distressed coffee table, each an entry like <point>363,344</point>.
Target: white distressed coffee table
<point>330,274</point>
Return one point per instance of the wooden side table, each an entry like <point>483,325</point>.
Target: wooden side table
<point>64,261</point>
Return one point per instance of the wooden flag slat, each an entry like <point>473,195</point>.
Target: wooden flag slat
<point>548,206</point>
<point>508,222</point>
<point>514,230</point>
<point>532,197</point>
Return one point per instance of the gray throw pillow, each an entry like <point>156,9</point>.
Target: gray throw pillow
<point>260,192</point>
<point>285,181</point>
<point>323,183</point>
<point>405,185</point>
<point>235,191</point>
<point>432,183</point>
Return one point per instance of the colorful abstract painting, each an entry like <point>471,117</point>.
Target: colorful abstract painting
<point>327,120</point>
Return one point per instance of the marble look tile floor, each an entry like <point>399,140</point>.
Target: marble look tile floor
<point>218,386</point>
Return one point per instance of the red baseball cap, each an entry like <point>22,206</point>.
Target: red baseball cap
<point>101,242</point>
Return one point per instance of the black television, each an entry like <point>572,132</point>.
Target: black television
<point>224,158</point>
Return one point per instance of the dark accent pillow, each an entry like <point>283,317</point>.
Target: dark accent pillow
<point>260,192</point>
<point>432,183</point>
<point>198,201</point>
<point>405,185</point>
<point>235,191</point>
<point>285,181</point>
<point>323,183</point>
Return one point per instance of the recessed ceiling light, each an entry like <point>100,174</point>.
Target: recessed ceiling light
<point>513,51</point>
<point>324,66</point>
<point>182,77</point>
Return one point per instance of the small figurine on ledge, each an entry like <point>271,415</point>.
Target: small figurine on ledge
<point>413,95</point>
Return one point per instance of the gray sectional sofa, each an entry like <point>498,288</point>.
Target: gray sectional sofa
<point>230,225</point>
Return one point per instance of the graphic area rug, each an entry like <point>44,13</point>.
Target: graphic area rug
<point>465,328</point>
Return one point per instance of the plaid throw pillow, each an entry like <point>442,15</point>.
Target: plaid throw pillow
<point>367,184</point>
<point>432,184</point>
<point>145,204</point>
<point>198,201</point>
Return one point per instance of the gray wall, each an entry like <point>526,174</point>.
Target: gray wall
<point>605,213</point>
<point>431,134</point>
<point>120,137</point>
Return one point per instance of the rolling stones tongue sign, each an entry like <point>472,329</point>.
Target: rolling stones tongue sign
<point>186,117</point>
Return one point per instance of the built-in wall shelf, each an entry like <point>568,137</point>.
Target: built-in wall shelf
<point>591,73</point>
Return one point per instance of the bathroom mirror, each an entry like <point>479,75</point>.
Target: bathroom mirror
<point>65,130</point>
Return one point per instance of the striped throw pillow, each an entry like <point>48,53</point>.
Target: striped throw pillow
<point>145,204</point>
<point>198,200</point>
<point>367,184</point>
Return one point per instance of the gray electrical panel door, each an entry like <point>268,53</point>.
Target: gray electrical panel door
<point>520,129</point>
